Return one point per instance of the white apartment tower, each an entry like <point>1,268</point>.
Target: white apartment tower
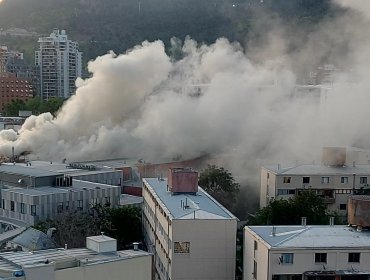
<point>59,62</point>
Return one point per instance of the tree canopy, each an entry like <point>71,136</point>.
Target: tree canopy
<point>36,105</point>
<point>289,212</point>
<point>220,184</point>
<point>72,228</point>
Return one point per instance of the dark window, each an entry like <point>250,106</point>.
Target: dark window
<point>320,257</point>
<point>255,270</point>
<point>354,257</point>
<point>80,205</point>
<point>11,205</point>
<point>60,207</point>
<point>343,206</point>
<point>287,180</point>
<point>67,205</point>
<point>344,180</point>
<point>33,210</point>
<point>363,180</point>
<point>3,203</point>
<point>306,180</point>
<point>23,208</point>
<point>286,258</point>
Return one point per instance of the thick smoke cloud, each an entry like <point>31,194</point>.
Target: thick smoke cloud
<point>217,100</point>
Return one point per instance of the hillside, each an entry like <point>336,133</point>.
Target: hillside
<point>100,26</point>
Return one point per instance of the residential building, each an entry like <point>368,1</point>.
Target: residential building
<point>13,88</point>
<point>333,180</point>
<point>190,234</point>
<point>306,253</point>
<point>59,63</point>
<point>100,260</point>
<point>29,194</point>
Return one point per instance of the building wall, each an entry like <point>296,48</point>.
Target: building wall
<point>252,253</point>
<point>138,268</point>
<point>272,186</point>
<point>212,249</point>
<point>13,88</point>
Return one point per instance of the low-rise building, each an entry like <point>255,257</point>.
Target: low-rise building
<point>190,234</point>
<point>29,195</point>
<point>100,260</point>
<point>306,253</point>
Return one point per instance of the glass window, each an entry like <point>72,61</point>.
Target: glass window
<point>344,180</point>
<point>342,206</point>
<point>23,208</point>
<point>3,203</point>
<point>320,257</point>
<point>354,257</point>
<point>67,205</point>
<point>306,180</point>
<point>33,210</point>
<point>60,207</point>
<point>255,270</point>
<point>80,204</point>
<point>363,180</point>
<point>286,258</point>
<point>12,205</point>
<point>324,180</point>
<point>287,180</point>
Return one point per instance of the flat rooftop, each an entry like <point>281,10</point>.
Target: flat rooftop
<point>14,261</point>
<point>77,185</point>
<point>22,169</point>
<point>316,169</point>
<point>306,237</point>
<point>200,206</point>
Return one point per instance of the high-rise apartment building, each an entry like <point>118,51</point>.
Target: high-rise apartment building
<point>59,62</point>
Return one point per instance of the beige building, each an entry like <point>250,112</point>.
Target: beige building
<point>333,183</point>
<point>306,252</point>
<point>99,261</point>
<point>190,234</point>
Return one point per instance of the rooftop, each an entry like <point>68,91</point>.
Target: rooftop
<point>14,261</point>
<point>187,206</point>
<point>26,171</point>
<point>316,169</point>
<point>313,236</point>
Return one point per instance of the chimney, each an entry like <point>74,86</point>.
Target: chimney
<point>136,246</point>
<point>331,221</point>
<point>303,221</point>
<point>182,180</point>
<point>273,233</point>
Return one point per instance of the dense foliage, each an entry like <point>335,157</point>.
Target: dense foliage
<point>123,224</point>
<point>289,212</point>
<point>36,105</point>
<point>100,26</point>
<point>220,184</point>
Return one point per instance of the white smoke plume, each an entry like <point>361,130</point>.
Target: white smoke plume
<point>216,100</point>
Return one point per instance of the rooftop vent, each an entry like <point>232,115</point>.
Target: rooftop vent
<point>182,180</point>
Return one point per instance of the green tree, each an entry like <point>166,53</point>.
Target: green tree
<point>12,109</point>
<point>289,212</point>
<point>220,184</point>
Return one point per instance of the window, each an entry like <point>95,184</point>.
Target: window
<point>60,207</point>
<point>93,202</point>
<point>80,204</point>
<point>344,180</point>
<point>354,257</point>
<point>107,200</point>
<point>363,180</point>
<point>285,191</point>
<point>255,270</point>
<point>287,180</point>
<point>3,203</point>
<point>255,247</point>
<point>33,210</point>
<point>67,205</point>
<point>23,208</point>
<point>12,205</point>
<point>286,258</point>
<point>342,206</point>
<point>306,180</point>
<point>324,180</point>
<point>320,257</point>
<point>182,247</point>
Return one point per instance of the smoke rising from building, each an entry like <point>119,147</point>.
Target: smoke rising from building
<point>216,100</point>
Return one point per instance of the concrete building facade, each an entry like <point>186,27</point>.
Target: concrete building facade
<point>59,63</point>
<point>190,234</point>
<point>29,195</point>
<point>306,253</point>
